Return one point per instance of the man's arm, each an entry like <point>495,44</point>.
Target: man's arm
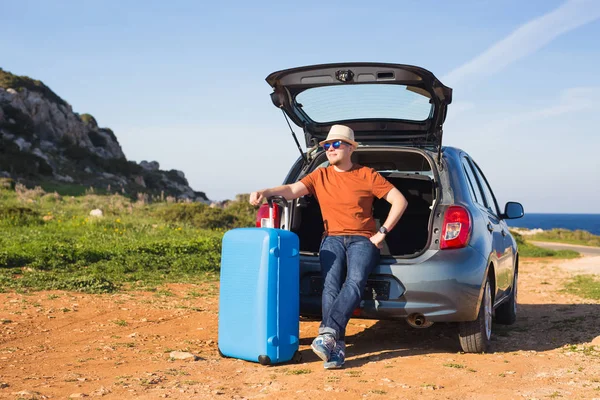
<point>399,203</point>
<point>289,192</point>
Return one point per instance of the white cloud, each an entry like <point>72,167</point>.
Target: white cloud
<point>527,39</point>
<point>570,101</point>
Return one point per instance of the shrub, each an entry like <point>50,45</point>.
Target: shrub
<point>51,198</point>
<point>19,216</point>
<point>88,119</point>
<point>202,216</point>
<point>13,259</point>
<point>7,183</point>
<point>215,218</point>
<point>181,213</point>
<point>25,194</point>
<point>245,212</point>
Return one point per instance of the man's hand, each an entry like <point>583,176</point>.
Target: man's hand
<point>377,240</point>
<point>256,198</point>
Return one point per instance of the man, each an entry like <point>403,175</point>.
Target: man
<point>351,245</point>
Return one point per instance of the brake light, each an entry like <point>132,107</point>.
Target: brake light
<point>262,216</point>
<point>456,228</point>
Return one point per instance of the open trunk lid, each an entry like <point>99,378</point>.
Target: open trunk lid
<point>382,103</point>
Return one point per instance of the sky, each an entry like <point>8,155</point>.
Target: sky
<point>183,82</point>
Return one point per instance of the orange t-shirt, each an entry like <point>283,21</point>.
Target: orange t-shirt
<point>346,198</point>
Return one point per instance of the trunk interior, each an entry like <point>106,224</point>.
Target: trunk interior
<point>411,234</point>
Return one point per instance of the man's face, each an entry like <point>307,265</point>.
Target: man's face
<point>339,155</point>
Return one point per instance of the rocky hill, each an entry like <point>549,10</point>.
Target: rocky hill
<point>43,141</point>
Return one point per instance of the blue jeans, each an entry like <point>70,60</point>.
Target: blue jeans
<point>346,262</point>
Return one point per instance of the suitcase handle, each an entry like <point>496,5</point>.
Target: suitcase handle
<point>276,199</point>
<point>279,199</point>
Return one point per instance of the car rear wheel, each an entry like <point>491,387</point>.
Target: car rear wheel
<point>475,335</point>
<point>507,312</point>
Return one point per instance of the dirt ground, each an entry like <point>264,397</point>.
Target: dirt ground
<point>61,345</point>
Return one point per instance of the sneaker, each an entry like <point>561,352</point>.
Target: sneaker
<point>323,345</point>
<point>338,356</point>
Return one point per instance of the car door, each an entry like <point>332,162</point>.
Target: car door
<point>505,254</point>
<point>484,201</point>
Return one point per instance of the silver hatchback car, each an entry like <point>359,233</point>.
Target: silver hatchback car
<point>451,258</point>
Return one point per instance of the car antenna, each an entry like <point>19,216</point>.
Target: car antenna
<point>295,139</point>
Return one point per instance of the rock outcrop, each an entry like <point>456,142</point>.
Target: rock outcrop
<point>42,139</point>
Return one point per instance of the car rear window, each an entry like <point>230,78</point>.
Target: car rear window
<point>367,101</point>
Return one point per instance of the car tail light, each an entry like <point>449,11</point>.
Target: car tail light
<point>262,216</point>
<point>456,228</point>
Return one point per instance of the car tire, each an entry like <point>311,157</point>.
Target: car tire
<point>506,313</point>
<point>475,335</point>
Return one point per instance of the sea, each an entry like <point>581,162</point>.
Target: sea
<point>585,222</point>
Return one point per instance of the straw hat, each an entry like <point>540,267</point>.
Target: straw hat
<point>340,132</point>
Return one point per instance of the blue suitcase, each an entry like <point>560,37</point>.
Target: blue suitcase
<point>259,295</point>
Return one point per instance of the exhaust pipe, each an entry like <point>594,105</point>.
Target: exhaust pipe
<point>417,320</point>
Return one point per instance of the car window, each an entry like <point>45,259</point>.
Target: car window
<point>487,191</point>
<point>472,183</point>
<point>324,104</point>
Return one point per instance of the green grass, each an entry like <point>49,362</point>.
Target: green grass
<point>587,286</point>
<point>298,372</point>
<point>48,241</point>
<point>566,236</point>
<point>353,374</point>
<point>527,249</point>
<point>457,366</point>
<point>429,386</point>
<point>591,351</point>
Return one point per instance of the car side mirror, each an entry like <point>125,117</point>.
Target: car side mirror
<point>513,210</point>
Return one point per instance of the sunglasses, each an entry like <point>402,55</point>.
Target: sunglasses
<point>336,145</point>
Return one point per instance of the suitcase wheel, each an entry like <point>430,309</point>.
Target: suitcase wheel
<point>297,358</point>
<point>264,360</point>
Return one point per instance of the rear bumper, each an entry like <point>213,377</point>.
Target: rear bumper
<point>444,286</point>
